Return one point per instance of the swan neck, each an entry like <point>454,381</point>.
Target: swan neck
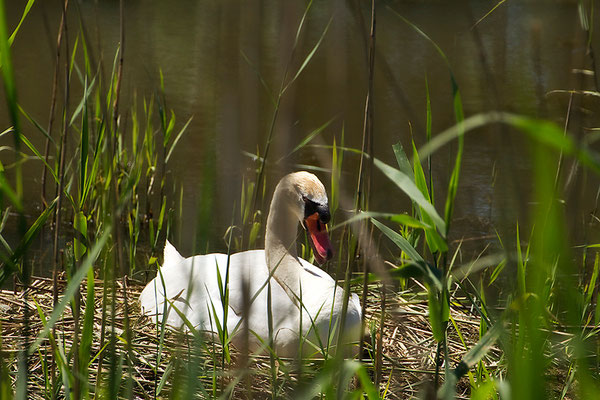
<point>280,244</point>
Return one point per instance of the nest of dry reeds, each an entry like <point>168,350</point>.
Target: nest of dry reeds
<point>403,348</point>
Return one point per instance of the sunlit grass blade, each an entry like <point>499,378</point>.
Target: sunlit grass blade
<point>434,241</point>
<point>28,6</point>
<point>176,140</point>
<point>543,132</point>
<point>402,219</point>
<point>487,14</point>
<point>337,158</point>
<point>400,241</point>
<point>454,178</point>
<point>407,185</point>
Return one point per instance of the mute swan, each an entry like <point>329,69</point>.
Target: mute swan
<point>192,284</point>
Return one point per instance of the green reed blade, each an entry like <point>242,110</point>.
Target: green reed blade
<point>40,157</point>
<point>72,288</point>
<point>308,57</point>
<point>402,160</point>
<point>28,6</point>
<point>177,139</point>
<point>406,184</point>
<point>434,241</point>
<point>6,190</point>
<point>80,239</point>
<point>83,148</point>
<point>10,91</point>
<point>29,118</point>
<point>400,241</point>
<point>402,219</point>
<point>543,132</point>
<point>438,305</point>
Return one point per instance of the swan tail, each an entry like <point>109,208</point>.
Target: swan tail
<point>153,296</point>
<point>171,255</point>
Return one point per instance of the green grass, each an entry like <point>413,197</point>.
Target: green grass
<point>81,336</point>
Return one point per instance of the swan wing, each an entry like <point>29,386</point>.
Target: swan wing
<point>186,290</point>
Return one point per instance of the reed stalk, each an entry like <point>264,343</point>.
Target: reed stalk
<point>363,189</point>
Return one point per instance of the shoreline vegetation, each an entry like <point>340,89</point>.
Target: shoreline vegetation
<point>435,331</point>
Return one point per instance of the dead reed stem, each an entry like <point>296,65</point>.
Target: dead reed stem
<point>52,104</point>
<point>363,191</point>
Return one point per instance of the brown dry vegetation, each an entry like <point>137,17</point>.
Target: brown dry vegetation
<point>408,345</point>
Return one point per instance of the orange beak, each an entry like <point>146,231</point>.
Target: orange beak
<point>319,238</point>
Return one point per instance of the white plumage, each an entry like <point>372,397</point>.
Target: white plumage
<point>192,283</point>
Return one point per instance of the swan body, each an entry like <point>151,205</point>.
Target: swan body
<point>305,301</point>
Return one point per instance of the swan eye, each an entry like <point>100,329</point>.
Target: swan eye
<point>312,207</point>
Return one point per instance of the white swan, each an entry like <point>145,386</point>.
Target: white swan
<point>192,284</point>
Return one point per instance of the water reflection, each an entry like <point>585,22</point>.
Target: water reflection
<point>213,55</point>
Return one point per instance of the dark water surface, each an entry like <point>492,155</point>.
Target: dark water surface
<point>511,61</point>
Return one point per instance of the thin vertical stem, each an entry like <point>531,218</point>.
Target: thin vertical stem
<point>10,90</point>
<point>379,352</point>
<point>63,141</point>
<point>52,106</point>
<point>63,33</point>
<point>116,214</point>
<point>561,156</point>
<point>362,198</point>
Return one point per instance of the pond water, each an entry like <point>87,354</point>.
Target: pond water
<point>211,54</point>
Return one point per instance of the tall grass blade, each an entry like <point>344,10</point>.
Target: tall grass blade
<point>454,178</point>
<point>7,190</point>
<point>407,185</point>
<point>28,6</point>
<point>428,123</point>
<point>309,56</point>
<point>434,241</point>
<point>402,160</point>
<point>487,14</point>
<point>172,147</point>
<point>72,288</point>
<point>543,132</point>
<point>40,157</point>
<point>402,219</point>
<point>80,241</point>
<point>10,91</point>
<point>400,241</point>
<point>439,311</point>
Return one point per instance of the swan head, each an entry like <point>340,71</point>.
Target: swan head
<point>307,199</point>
